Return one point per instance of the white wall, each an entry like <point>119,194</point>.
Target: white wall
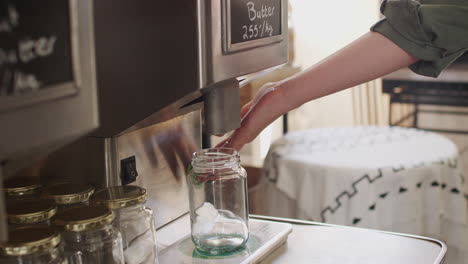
<point>323,27</point>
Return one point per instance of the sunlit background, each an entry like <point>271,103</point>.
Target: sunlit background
<point>318,29</point>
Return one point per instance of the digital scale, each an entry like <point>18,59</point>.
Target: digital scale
<point>175,243</point>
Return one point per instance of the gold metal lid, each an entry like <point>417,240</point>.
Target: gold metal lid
<point>30,212</point>
<point>25,241</point>
<point>68,193</point>
<point>119,197</point>
<point>21,186</point>
<point>83,218</point>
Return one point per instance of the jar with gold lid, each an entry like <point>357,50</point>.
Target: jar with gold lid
<point>30,213</point>
<point>89,236</point>
<point>68,195</point>
<point>32,246</point>
<point>22,188</point>
<point>134,220</point>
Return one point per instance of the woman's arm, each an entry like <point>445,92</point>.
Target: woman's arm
<point>365,59</point>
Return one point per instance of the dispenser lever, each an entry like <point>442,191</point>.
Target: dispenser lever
<point>222,107</point>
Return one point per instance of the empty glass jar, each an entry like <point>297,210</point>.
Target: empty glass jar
<point>89,236</point>
<point>30,213</point>
<point>218,200</point>
<point>32,246</point>
<point>134,220</point>
<point>68,195</point>
<point>22,188</point>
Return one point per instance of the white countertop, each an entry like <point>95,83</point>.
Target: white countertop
<point>325,244</point>
<point>332,244</point>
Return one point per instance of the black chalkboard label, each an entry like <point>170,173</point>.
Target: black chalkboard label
<point>35,46</point>
<point>254,19</point>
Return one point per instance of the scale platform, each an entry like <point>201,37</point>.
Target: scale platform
<point>176,246</point>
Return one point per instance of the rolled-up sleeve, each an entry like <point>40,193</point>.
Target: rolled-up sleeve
<point>435,32</point>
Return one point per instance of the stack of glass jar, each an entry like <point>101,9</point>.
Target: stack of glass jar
<point>89,236</point>
<point>33,245</point>
<point>30,213</point>
<point>56,224</point>
<point>24,188</point>
<point>133,219</point>
<point>24,204</point>
<point>68,195</point>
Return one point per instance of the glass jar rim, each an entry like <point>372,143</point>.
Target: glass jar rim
<point>83,218</point>
<point>21,186</point>
<point>68,193</point>
<point>29,240</point>
<point>30,211</point>
<point>119,197</point>
<point>216,158</point>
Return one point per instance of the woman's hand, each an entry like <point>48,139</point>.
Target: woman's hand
<point>267,105</point>
<point>367,58</point>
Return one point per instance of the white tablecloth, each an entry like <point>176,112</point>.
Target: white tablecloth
<point>393,179</point>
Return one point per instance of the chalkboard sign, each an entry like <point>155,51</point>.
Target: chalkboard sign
<point>35,48</point>
<point>254,19</point>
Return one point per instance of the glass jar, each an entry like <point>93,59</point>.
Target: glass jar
<point>218,200</point>
<point>89,236</point>
<point>32,246</point>
<point>30,213</point>
<point>134,220</point>
<point>68,195</point>
<point>22,188</point>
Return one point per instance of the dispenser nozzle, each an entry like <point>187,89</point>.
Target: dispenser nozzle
<point>222,107</point>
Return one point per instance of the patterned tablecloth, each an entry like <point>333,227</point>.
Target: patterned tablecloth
<point>387,178</point>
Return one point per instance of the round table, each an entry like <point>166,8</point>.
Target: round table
<point>387,178</point>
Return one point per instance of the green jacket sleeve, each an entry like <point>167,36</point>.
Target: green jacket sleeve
<point>435,31</point>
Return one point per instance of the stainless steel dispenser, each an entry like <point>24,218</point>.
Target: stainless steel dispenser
<point>47,76</point>
<point>151,54</point>
<point>47,80</point>
<point>160,66</point>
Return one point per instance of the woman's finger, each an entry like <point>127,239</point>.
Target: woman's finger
<point>223,144</point>
<point>245,109</point>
